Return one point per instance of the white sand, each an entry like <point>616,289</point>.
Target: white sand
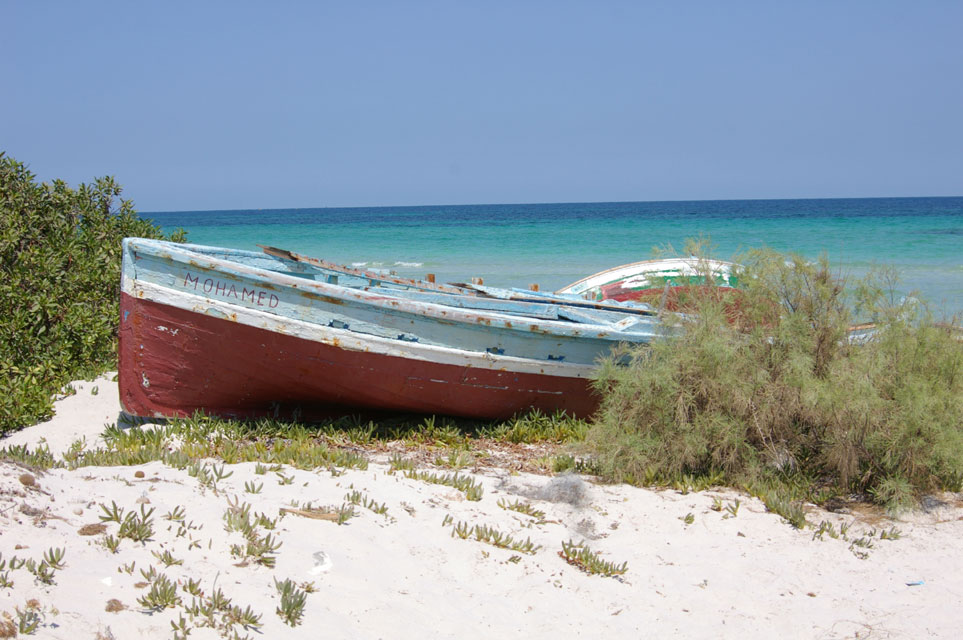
<point>405,576</point>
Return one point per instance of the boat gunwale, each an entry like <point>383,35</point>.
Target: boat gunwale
<point>183,253</point>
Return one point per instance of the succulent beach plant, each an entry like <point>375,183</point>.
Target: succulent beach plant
<point>357,498</point>
<point>257,547</point>
<point>397,462</point>
<point>291,607</point>
<point>472,489</point>
<point>492,536</point>
<point>162,594</point>
<point>581,556</point>
<point>521,507</point>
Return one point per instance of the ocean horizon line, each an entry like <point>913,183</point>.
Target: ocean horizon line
<point>574,203</point>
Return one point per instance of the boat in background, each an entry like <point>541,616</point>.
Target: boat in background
<point>664,285</point>
<point>245,334</point>
<point>653,279</point>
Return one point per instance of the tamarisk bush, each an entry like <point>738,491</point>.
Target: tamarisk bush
<point>772,388</point>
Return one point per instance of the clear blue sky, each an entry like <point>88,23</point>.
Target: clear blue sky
<point>219,105</point>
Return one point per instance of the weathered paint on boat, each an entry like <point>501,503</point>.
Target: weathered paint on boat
<point>242,334</point>
<point>378,311</point>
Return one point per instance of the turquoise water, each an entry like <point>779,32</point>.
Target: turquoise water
<point>554,244</point>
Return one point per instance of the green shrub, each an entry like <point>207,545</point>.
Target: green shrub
<point>768,386</point>
<point>59,285</point>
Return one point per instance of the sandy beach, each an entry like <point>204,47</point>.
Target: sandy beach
<point>699,565</point>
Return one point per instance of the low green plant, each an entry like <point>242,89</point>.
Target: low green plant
<point>492,536</point>
<point>167,558</point>
<point>397,462</point>
<point>791,510</point>
<point>566,462</point>
<point>581,556</point>
<point>456,459</point>
<point>858,545</point>
<point>162,595</point>
<point>563,463</point>
<point>217,612</point>
<point>175,515</point>
<point>30,619</point>
<point>245,617</point>
<point>284,480</point>
<point>43,570</point>
<point>826,528</point>
<point>219,472</point>
<point>461,530</point>
<point>39,457</point>
<point>521,507</point>
<point>113,514</point>
<point>181,628</point>
<point>291,607</point>
<point>890,534</point>
<point>54,557</point>
<point>150,574</point>
<point>193,587</point>
<point>257,547</point>
<point>536,427</point>
<point>345,512</point>
<point>472,489</point>
<point>360,499</point>
<point>138,527</point>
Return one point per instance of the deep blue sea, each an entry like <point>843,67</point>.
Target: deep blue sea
<point>554,244</point>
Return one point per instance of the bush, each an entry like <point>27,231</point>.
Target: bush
<point>779,391</point>
<point>59,285</point>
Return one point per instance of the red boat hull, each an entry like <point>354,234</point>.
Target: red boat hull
<point>174,362</point>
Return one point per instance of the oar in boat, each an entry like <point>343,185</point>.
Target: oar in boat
<point>364,274</point>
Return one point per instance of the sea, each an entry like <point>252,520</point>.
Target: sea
<point>551,245</point>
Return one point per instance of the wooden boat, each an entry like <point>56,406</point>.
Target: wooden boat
<point>246,334</point>
<point>649,279</point>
